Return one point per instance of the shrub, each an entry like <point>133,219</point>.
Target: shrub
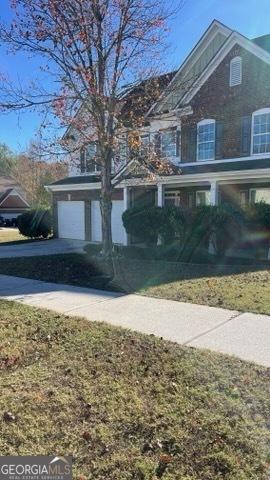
<point>144,224</point>
<point>35,223</point>
<point>173,225</point>
<point>257,228</point>
<point>258,216</point>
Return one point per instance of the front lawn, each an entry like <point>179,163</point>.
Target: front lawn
<point>10,235</point>
<point>244,288</point>
<point>125,405</point>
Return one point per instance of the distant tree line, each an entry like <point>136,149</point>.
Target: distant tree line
<point>32,173</point>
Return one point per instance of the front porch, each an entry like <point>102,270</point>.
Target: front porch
<point>238,192</point>
<point>198,194</point>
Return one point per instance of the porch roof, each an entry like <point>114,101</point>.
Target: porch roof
<point>226,166</point>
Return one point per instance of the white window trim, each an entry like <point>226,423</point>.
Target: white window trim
<point>173,195</point>
<point>96,172</point>
<point>262,111</point>
<point>142,145</point>
<point>236,60</point>
<point>169,130</point>
<point>201,191</point>
<point>207,121</point>
<point>255,190</point>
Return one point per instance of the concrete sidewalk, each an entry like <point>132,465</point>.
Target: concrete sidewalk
<point>245,335</point>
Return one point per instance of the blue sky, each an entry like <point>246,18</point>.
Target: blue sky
<point>249,17</point>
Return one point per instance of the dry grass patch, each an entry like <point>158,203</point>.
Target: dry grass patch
<point>128,406</point>
<point>10,235</point>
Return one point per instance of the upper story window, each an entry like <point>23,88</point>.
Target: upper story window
<point>89,159</point>
<point>206,133</point>
<point>145,145</point>
<point>168,143</point>
<point>261,131</point>
<point>123,150</point>
<point>236,71</point>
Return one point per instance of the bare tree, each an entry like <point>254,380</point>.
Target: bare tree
<point>32,172</point>
<point>91,48</point>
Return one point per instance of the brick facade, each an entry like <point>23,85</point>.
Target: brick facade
<point>228,105</point>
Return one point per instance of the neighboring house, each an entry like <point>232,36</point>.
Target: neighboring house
<point>212,122</point>
<point>12,198</point>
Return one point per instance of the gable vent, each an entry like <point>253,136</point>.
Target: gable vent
<point>236,71</point>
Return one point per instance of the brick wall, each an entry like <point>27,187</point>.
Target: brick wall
<point>217,100</point>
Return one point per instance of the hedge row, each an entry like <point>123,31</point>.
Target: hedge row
<point>223,226</point>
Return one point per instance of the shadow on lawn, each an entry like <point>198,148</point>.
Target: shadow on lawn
<point>133,275</point>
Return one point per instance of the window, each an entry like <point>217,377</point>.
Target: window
<point>260,195</point>
<point>190,200</point>
<point>236,71</point>
<point>261,131</point>
<point>206,136</point>
<point>202,198</point>
<point>242,198</point>
<point>89,161</point>
<point>123,151</point>
<point>145,144</point>
<point>172,198</point>
<point>168,143</point>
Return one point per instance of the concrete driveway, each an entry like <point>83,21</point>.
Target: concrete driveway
<point>44,247</point>
<point>244,335</point>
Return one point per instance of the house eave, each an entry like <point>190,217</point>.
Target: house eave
<point>262,174</point>
<point>229,176</point>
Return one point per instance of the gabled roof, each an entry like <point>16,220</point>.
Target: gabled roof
<point>259,46</point>
<point>140,167</point>
<point>7,182</point>
<point>263,42</point>
<point>8,185</point>
<point>234,39</point>
<point>138,98</point>
<point>182,76</point>
<point>11,198</point>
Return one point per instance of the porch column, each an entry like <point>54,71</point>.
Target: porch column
<point>213,201</point>
<point>214,193</point>
<point>160,195</point>
<point>126,202</point>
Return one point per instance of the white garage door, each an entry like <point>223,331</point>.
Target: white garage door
<point>96,222</point>
<point>118,231</point>
<point>71,221</point>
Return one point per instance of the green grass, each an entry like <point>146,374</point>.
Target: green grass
<point>127,406</point>
<point>244,288</point>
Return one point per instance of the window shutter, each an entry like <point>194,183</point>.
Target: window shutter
<point>184,143</point>
<point>178,143</point>
<point>192,143</point>
<point>246,135</point>
<point>82,160</point>
<point>189,143</point>
<point>157,143</point>
<point>219,141</point>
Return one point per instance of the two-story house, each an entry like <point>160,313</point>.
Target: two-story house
<point>212,122</point>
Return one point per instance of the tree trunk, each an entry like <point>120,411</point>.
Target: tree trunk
<point>106,210</point>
